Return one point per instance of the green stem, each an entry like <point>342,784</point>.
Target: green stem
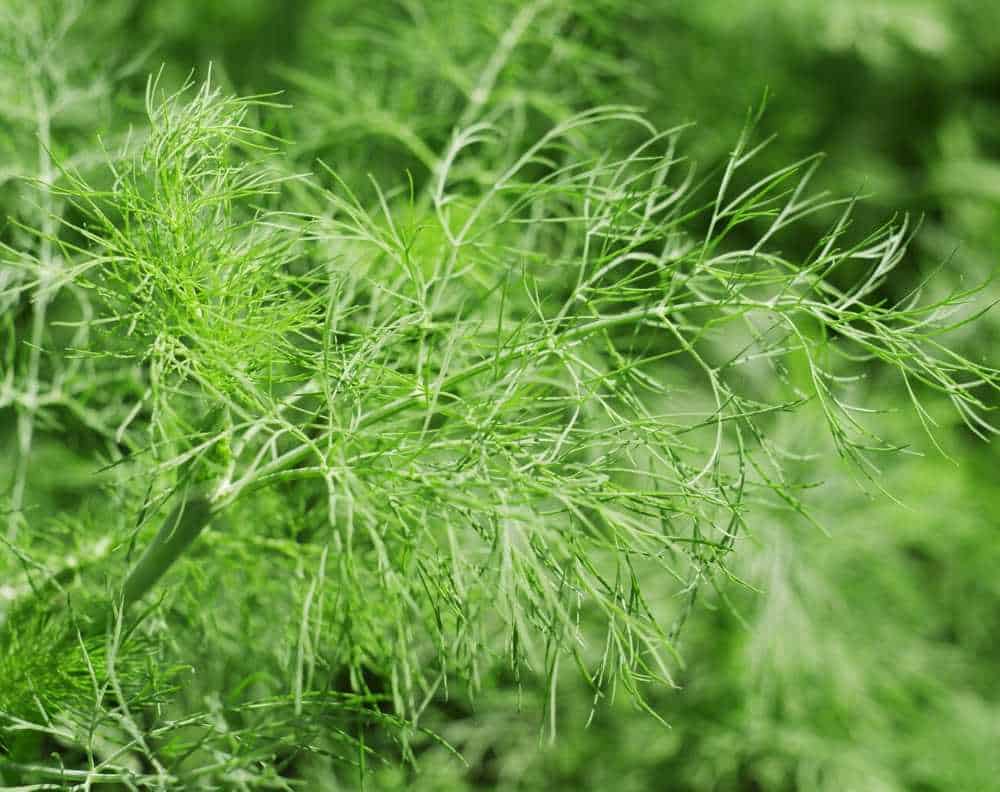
<point>178,531</point>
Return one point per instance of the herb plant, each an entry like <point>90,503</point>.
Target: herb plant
<point>506,413</point>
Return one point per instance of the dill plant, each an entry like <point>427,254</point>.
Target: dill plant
<point>506,406</point>
<point>515,411</point>
<point>54,93</point>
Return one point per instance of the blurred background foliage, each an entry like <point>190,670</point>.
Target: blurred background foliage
<point>860,658</point>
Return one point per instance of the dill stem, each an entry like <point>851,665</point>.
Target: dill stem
<point>29,403</point>
<point>178,531</point>
<point>227,492</point>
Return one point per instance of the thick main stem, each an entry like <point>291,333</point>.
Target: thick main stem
<point>179,530</point>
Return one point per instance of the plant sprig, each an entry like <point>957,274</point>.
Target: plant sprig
<point>514,409</point>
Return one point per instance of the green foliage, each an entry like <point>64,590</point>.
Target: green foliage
<point>453,389</point>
